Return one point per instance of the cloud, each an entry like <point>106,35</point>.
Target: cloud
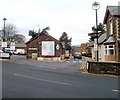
<point>75,17</point>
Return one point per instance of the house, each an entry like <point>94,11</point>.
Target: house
<point>109,42</point>
<point>112,43</point>
<point>75,48</point>
<point>44,45</point>
<point>84,48</point>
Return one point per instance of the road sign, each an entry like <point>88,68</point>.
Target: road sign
<point>57,47</point>
<point>12,46</point>
<point>4,44</point>
<point>95,45</point>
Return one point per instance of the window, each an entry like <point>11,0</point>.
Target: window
<point>109,50</point>
<point>111,27</point>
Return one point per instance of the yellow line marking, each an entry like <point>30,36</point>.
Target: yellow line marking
<point>100,75</point>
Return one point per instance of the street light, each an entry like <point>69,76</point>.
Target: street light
<point>4,20</point>
<point>96,6</point>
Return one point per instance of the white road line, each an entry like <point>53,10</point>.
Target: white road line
<point>74,61</point>
<point>40,66</point>
<point>116,90</point>
<point>47,67</point>
<point>42,79</point>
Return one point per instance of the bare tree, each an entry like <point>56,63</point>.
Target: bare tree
<point>10,30</point>
<point>11,34</point>
<point>18,38</point>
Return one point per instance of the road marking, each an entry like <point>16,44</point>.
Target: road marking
<point>40,66</point>
<point>116,90</point>
<point>47,67</point>
<point>74,61</point>
<point>42,79</point>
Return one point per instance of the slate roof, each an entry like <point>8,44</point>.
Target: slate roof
<point>16,44</point>
<point>113,10</point>
<point>20,45</point>
<point>102,38</point>
<point>109,40</point>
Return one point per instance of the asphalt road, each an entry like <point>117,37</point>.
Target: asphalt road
<point>22,80</point>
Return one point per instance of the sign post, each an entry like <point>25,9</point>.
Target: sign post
<point>12,48</point>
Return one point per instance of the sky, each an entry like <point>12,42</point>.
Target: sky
<point>75,17</point>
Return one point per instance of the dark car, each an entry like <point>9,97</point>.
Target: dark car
<point>8,51</point>
<point>77,55</point>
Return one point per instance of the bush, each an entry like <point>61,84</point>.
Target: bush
<point>87,54</point>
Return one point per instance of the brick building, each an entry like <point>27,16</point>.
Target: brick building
<point>84,48</point>
<point>109,42</point>
<point>44,45</point>
<point>112,43</point>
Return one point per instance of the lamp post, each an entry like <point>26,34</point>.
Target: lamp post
<point>96,6</point>
<point>4,20</point>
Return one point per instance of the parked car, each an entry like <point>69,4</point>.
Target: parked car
<point>77,55</point>
<point>8,51</point>
<point>19,52</point>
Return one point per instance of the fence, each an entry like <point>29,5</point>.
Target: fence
<point>104,67</point>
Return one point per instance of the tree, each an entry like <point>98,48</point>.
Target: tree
<point>18,38</point>
<point>10,30</point>
<point>34,33</point>
<point>64,38</point>
<point>101,30</point>
<point>11,34</point>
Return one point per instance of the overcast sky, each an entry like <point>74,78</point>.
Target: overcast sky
<point>75,17</point>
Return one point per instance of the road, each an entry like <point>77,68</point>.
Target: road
<point>24,80</point>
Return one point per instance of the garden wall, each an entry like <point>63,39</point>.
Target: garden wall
<point>104,67</point>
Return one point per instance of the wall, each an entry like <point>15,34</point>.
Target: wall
<point>102,52</point>
<point>104,67</point>
<point>109,57</point>
<point>32,44</point>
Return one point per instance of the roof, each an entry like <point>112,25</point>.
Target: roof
<point>16,44</point>
<point>20,45</point>
<point>113,10</point>
<point>109,40</point>
<point>102,38</point>
<point>44,34</point>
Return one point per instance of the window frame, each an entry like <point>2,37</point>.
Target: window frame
<point>108,49</point>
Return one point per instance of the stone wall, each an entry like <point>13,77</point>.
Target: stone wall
<point>104,67</point>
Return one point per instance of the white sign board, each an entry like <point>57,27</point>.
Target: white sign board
<point>48,48</point>
<point>4,44</point>
<point>57,47</point>
<point>12,46</point>
<point>95,45</point>
<point>32,48</point>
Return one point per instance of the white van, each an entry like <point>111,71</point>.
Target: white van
<point>20,51</point>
